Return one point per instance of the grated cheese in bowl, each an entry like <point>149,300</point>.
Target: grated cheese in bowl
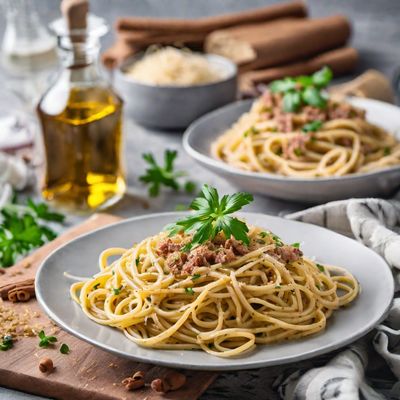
<point>170,66</point>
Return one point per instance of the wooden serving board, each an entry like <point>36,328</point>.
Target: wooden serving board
<point>86,372</point>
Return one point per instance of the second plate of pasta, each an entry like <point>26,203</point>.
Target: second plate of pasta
<point>355,153</point>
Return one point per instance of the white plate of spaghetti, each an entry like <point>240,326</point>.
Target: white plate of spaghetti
<point>191,296</point>
<point>344,148</point>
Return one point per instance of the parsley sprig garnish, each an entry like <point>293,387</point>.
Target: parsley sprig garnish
<point>157,175</point>
<point>46,341</point>
<point>21,229</point>
<point>212,215</point>
<point>303,90</point>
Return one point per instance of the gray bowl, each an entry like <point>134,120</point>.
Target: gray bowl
<point>174,107</point>
<point>199,136</point>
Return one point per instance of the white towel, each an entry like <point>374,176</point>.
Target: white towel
<point>375,223</point>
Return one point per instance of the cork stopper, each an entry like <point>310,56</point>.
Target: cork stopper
<point>75,13</point>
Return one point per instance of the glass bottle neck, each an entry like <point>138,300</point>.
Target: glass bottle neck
<point>80,57</point>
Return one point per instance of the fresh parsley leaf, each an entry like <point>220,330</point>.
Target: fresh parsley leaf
<point>189,290</point>
<point>21,231</point>
<point>195,276</point>
<point>313,97</point>
<point>303,90</point>
<point>7,343</point>
<point>211,216</point>
<point>296,245</point>
<point>157,175</point>
<point>64,349</point>
<point>282,85</point>
<point>291,101</point>
<point>46,341</point>
<point>322,77</point>
<point>42,211</point>
<point>321,267</point>
<point>313,126</point>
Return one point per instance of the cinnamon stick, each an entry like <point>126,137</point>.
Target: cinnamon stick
<point>143,39</point>
<point>208,24</point>
<point>20,291</point>
<point>278,42</point>
<point>341,61</point>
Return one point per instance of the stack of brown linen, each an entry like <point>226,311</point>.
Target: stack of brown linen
<point>266,43</point>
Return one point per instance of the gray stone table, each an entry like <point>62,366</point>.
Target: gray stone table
<point>377,37</point>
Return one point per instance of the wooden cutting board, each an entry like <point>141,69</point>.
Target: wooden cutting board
<point>86,373</point>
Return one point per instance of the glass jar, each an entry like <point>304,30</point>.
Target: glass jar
<point>81,120</point>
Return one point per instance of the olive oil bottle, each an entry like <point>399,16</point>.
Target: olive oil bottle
<point>81,120</point>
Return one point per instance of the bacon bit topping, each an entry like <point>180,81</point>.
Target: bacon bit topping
<point>295,147</point>
<point>286,253</point>
<point>167,246</point>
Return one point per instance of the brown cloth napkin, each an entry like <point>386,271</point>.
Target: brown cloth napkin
<point>136,33</point>
<point>341,61</point>
<point>278,42</point>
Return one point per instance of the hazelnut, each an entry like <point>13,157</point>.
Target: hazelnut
<point>172,381</point>
<point>46,365</point>
<point>158,386</point>
<point>132,383</point>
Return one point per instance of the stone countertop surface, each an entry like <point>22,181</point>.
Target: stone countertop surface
<point>376,34</point>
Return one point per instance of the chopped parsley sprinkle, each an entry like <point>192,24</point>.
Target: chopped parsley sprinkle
<point>113,272</point>
<point>278,286</point>
<point>250,131</point>
<point>277,240</point>
<point>64,349</point>
<point>296,245</point>
<point>195,276</point>
<point>96,286</point>
<point>321,267</point>
<point>279,151</point>
<point>189,290</point>
<point>7,343</point>
<point>137,261</point>
<point>260,241</point>
<point>298,152</point>
<point>263,234</point>
<point>312,126</point>
<point>386,151</point>
<point>317,286</point>
<point>117,291</point>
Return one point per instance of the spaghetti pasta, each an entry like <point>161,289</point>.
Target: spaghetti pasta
<point>310,143</point>
<point>222,297</point>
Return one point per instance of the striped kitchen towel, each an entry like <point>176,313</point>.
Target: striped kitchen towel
<point>376,224</point>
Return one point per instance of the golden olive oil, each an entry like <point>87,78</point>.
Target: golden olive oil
<point>82,135</point>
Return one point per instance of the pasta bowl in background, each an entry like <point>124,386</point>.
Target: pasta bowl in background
<point>174,107</point>
<point>346,325</point>
<point>199,136</point>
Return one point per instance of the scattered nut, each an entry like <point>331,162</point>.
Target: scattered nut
<point>46,365</point>
<point>138,375</point>
<point>172,381</point>
<point>158,386</point>
<point>133,384</point>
